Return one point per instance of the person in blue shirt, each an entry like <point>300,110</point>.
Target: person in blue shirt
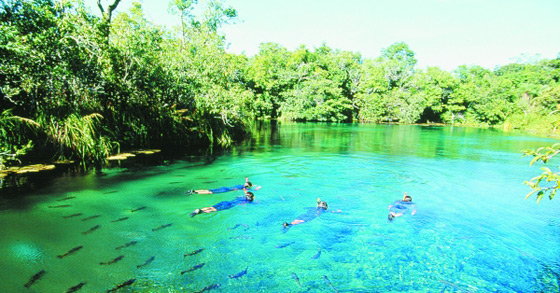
<point>224,205</point>
<point>247,185</point>
<point>311,214</point>
<point>401,207</point>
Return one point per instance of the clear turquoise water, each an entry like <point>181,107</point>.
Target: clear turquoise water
<point>474,231</point>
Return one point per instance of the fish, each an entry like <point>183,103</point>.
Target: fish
<point>119,220</point>
<point>194,268</point>
<point>208,288</point>
<point>240,274</point>
<point>35,278</point>
<point>329,282</point>
<point>66,198</point>
<point>76,288</point>
<point>175,182</point>
<point>454,286</point>
<point>239,225</point>
<point>137,209</point>
<point>109,192</point>
<point>241,237</point>
<point>147,262</point>
<point>285,244</point>
<point>121,285</point>
<point>60,206</point>
<point>162,226</point>
<point>317,255</point>
<point>296,279</point>
<point>114,260</point>
<point>70,251</point>
<point>91,217</point>
<point>73,215</point>
<point>126,245</point>
<point>209,182</point>
<point>91,229</point>
<point>194,252</point>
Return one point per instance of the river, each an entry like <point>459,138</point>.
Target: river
<point>473,229</point>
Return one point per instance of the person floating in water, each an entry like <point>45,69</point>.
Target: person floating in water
<point>401,207</point>
<point>224,205</point>
<point>311,214</point>
<point>247,185</point>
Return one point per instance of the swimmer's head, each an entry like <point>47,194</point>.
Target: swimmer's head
<point>322,204</point>
<point>247,183</point>
<point>390,217</point>
<point>249,196</point>
<point>407,198</point>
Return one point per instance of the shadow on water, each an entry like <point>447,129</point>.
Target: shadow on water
<point>21,192</point>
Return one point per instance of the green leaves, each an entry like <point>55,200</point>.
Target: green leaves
<point>549,177</point>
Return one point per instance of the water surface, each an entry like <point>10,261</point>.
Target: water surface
<point>473,231</point>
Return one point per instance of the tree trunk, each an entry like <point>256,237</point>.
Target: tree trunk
<point>107,15</point>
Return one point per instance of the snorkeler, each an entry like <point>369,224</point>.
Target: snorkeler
<point>224,205</point>
<point>401,207</point>
<point>311,214</point>
<point>247,185</point>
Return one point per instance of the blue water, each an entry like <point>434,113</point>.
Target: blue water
<point>474,231</point>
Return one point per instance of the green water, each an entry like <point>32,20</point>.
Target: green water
<point>473,230</point>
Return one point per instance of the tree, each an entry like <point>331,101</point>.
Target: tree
<point>107,13</point>
<point>184,9</point>
<point>549,177</point>
<point>398,62</point>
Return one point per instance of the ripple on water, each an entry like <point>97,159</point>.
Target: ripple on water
<point>28,252</point>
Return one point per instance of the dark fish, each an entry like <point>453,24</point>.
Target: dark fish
<point>194,252</point>
<point>109,192</point>
<point>70,251</point>
<point>241,237</point>
<point>175,182</point>
<point>208,288</point>
<point>285,244</point>
<point>194,268</point>
<point>91,229</point>
<point>329,282</point>
<point>209,182</point>
<point>147,262</point>
<point>240,274</point>
<point>35,278</point>
<point>239,225</point>
<point>297,279</point>
<point>76,288</point>
<point>114,260</point>
<point>162,226</point>
<point>60,206</point>
<point>137,209</point>
<point>91,217</point>
<point>66,198</point>
<point>73,215</point>
<point>121,285</point>
<point>126,245</point>
<point>317,255</point>
<point>119,220</point>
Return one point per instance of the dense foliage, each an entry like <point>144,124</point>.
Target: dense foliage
<point>74,85</point>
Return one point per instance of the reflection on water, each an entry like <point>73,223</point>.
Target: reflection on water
<point>473,231</point>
